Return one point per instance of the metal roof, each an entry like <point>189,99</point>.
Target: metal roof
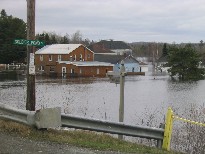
<point>58,49</point>
<point>86,63</point>
<point>109,46</point>
<point>114,59</point>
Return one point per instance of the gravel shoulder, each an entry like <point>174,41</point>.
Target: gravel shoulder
<point>14,144</point>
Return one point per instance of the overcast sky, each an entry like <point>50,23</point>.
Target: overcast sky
<point>126,20</point>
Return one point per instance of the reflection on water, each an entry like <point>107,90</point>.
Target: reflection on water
<point>11,75</point>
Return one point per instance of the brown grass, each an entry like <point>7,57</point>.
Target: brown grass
<point>87,139</point>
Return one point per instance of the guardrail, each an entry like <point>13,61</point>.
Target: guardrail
<point>32,118</point>
<point>112,127</point>
<point>17,115</point>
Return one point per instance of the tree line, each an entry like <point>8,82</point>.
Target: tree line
<point>14,28</point>
<point>156,49</point>
<point>183,59</point>
<point>53,38</point>
<point>10,28</point>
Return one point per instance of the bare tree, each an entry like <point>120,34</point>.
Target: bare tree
<point>76,37</point>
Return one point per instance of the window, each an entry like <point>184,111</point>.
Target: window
<point>98,71</point>
<point>88,55</point>
<point>80,71</point>
<point>63,70</point>
<point>74,58</point>
<point>81,57</point>
<point>59,57</point>
<point>72,71</point>
<point>41,57</point>
<point>41,68</point>
<point>52,69</point>
<point>50,57</point>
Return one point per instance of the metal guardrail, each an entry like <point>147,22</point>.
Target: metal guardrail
<point>17,115</point>
<point>111,127</point>
<point>29,118</point>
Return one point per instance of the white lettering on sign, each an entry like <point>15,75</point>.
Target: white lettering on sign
<point>32,43</point>
<point>17,41</point>
<point>29,42</point>
<point>32,69</point>
<point>31,59</point>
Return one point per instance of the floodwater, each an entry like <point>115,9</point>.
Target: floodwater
<point>146,97</point>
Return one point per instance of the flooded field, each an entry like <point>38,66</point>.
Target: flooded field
<point>99,98</point>
<point>147,99</point>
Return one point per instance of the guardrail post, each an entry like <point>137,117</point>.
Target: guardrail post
<point>168,130</point>
<point>48,118</point>
<point>159,142</point>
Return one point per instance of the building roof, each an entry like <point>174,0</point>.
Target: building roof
<point>108,46</point>
<point>113,59</point>
<point>130,59</point>
<point>86,63</point>
<point>99,48</point>
<point>115,45</point>
<point>142,63</point>
<point>58,49</point>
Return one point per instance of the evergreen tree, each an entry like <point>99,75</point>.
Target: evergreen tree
<point>11,28</point>
<point>164,50</point>
<point>47,39</point>
<point>3,14</point>
<point>53,39</point>
<point>184,63</point>
<point>65,39</point>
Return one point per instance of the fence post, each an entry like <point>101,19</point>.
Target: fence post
<point>168,130</point>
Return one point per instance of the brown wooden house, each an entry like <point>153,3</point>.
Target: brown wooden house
<point>69,60</point>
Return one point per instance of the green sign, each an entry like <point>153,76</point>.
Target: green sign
<point>29,42</point>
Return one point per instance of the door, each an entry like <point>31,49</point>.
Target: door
<point>63,71</point>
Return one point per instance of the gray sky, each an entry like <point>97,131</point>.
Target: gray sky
<point>126,20</point>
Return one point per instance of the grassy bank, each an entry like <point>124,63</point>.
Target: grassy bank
<point>81,138</point>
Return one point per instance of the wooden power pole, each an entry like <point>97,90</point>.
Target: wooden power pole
<point>31,93</point>
<point>121,107</point>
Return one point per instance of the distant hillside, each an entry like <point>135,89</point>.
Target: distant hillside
<point>146,49</point>
<point>154,49</point>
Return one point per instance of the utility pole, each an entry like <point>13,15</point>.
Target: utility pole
<point>31,93</point>
<point>122,82</point>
